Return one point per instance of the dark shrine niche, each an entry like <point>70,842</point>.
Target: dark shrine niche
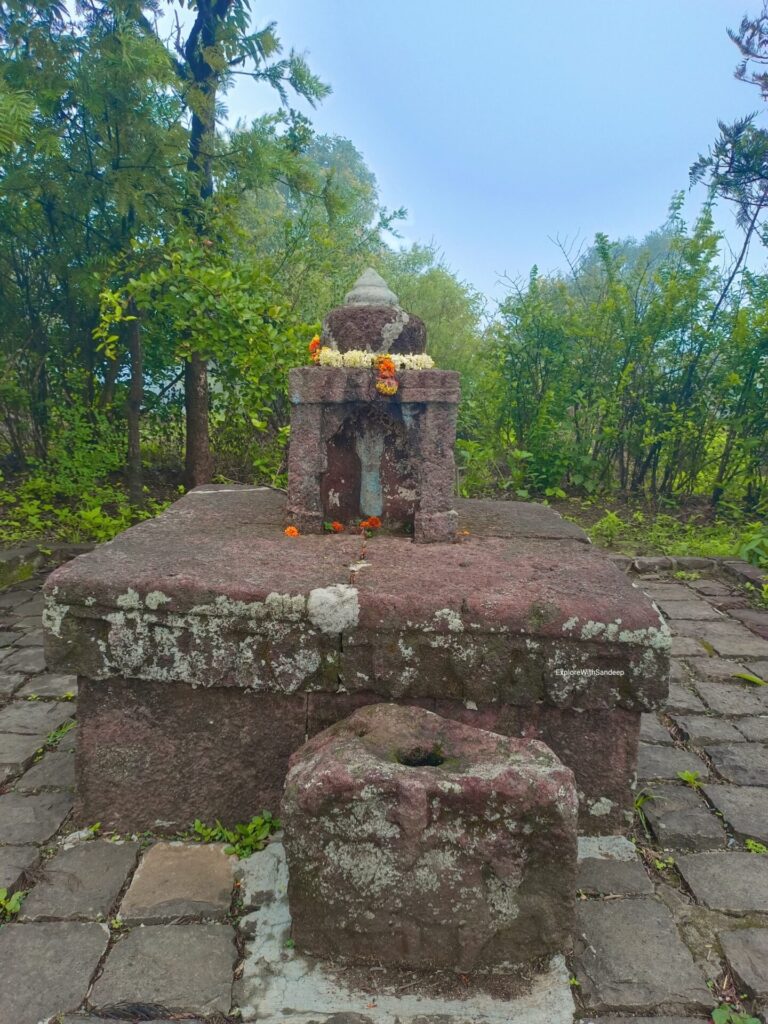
<point>371,468</point>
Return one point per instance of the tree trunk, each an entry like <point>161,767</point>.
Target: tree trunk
<point>202,36</point>
<point>135,396</point>
<point>198,465</point>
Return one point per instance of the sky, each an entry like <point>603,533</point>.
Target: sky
<point>504,126</point>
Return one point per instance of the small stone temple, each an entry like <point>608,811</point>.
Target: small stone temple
<point>212,641</point>
<point>357,452</point>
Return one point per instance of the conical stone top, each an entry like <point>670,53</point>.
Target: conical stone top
<point>370,289</point>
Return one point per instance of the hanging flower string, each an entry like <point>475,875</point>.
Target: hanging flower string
<point>314,349</point>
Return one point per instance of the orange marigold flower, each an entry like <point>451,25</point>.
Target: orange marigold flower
<point>371,523</point>
<point>387,386</point>
<point>386,367</point>
<point>337,527</point>
<point>314,345</point>
<point>291,531</point>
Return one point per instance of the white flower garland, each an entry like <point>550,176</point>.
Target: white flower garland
<point>358,358</point>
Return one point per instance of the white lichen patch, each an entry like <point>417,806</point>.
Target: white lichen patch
<point>130,599</point>
<point>450,618</point>
<point>156,598</point>
<point>599,808</point>
<point>53,616</point>
<point>570,624</point>
<point>502,898</point>
<point>333,609</point>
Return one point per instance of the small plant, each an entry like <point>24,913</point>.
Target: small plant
<point>754,846</point>
<point>749,677</point>
<point>10,905</point>
<point>95,828</point>
<point>116,923</point>
<point>289,944</point>
<point>725,1014</point>
<point>641,799</point>
<point>681,574</point>
<point>32,696</point>
<point>58,734</point>
<point>663,864</point>
<point>574,982</point>
<point>692,779</point>
<point>244,839</point>
<point>608,529</point>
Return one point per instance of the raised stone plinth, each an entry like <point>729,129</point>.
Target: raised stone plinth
<point>209,645</point>
<point>416,841</point>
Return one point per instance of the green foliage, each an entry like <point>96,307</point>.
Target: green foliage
<point>753,846</point>
<point>10,905</point>
<point>725,1014</point>
<point>244,839</point>
<point>54,738</point>
<point>690,778</point>
<point>749,677</point>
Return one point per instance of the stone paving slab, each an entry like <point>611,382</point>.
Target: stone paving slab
<point>732,882</point>
<point>683,700</point>
<point>759,668</point>
<point>629,957</point>
<point>713,668</point>
<point>68,741</point>
<point>652,731</point>
<point>16,748</point>
<point>666,591</point>
<point>175,881</point>
<point>680,820</point>
<point>10,682</point>
<point>34,638</point>
<point>29,661</point>
<point>26,818</point>
<point>746,950</point>
<point>598,876</point>
<point>55,771</point>
<point>51,966</point>
<point>707,728</point>
<point>729,639</point>
<point>659,762</point>
<point>743,763</point>
<point>753,728</point>
<point>14,861</point>
<point>187,967</point>
<point>733,698</point>
<point>606,848</point>
<point>33,718</point>
<point>81,883</point>
<point>745,808</point>
<point>688,609</point>
<point>683,646</point>
<point>49,684</point>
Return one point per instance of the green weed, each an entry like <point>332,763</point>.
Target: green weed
<point>10,905</point>
<point>244,839</point>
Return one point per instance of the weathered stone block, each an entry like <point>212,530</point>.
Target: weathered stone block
<point>418,841</point>
<point>157,757</point>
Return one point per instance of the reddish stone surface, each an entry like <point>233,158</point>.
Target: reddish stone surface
<point>355,453</point>
<point>425,843</point>
<point>600,747</point>
<point>158,756</point>
<point>365,327</point>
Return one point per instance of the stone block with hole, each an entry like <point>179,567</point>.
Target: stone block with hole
<point>417,841</point>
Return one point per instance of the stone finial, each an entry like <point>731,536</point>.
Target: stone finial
<point>370,289</point>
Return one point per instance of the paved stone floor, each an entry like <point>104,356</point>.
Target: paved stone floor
<point>135,928</point>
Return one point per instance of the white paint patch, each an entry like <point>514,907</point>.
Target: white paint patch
<point>333,609</point>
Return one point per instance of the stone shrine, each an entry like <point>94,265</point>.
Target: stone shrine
<point>211,642</point>
<point>358,447</point>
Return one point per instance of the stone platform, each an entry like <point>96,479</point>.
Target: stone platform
<point>209,646</point>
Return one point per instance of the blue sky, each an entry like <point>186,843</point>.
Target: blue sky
<point>501,126</point>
